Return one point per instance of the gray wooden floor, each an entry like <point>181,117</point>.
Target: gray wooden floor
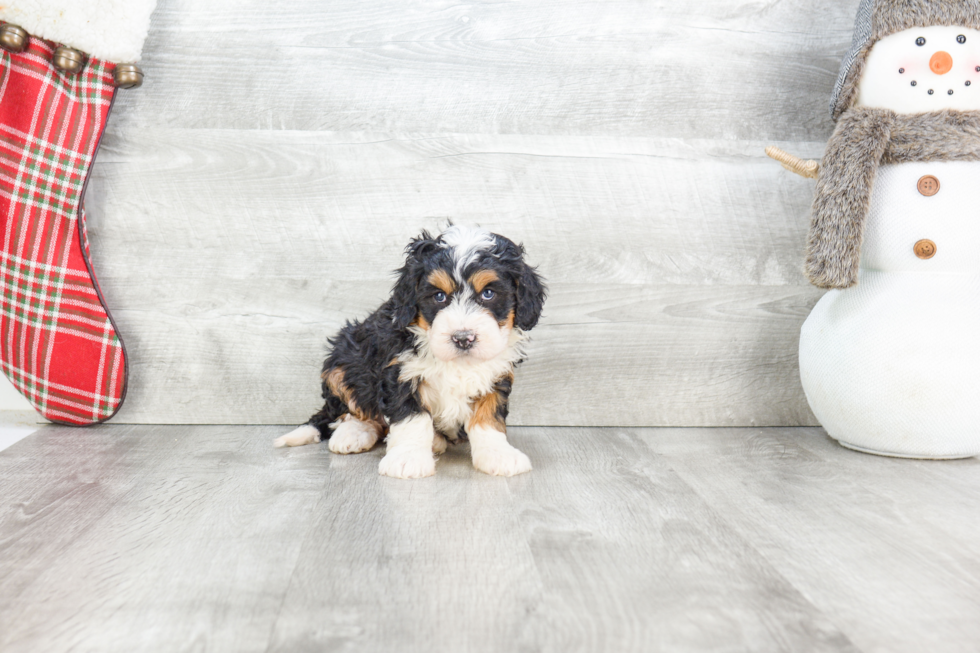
<point>204,538</point>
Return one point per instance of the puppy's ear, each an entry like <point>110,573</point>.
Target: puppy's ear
<point>404,295</point>
<point>531,293</point>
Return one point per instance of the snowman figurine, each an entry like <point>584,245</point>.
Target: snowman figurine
<point>890,356</point>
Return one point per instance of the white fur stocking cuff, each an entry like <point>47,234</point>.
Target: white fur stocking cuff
<point>111,30</point>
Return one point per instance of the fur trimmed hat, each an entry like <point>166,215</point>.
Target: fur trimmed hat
<point>877,19</point>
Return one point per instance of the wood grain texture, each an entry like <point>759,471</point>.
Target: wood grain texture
<point>441,565</point>
<point>701,305</point>
<point>70,482</point>
<point>257,190</point>
<point>731,69</point>
<point>881,529</point>
<point>628,537</point>
<point>122,538</point>
<point>192,550</point>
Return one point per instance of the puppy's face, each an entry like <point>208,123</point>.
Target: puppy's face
<point>470,290</point>
<point>469,317</point>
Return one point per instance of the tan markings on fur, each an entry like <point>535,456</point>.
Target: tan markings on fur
<point>479,280</point>
<point>485,413</point>
<point>452,387</point>
<point>335,382</point>
<point>392,362</point>
<point>421,322</point>
<point>441,280</point>
<point>508,321</point>
<point>334,379</point>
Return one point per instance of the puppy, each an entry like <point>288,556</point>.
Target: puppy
<point>434,362</point>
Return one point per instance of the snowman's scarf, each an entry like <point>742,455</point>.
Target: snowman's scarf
<point>864,139</point>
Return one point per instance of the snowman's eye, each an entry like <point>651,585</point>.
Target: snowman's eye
<point>901,70</point>
<point>920,41</point>
<point>961,39</point>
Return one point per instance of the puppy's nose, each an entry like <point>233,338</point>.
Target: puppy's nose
<point>464,339</point>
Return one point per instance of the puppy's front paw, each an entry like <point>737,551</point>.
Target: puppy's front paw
<point>353,436</point>
<point>500,459</point>
<point>408,463</point>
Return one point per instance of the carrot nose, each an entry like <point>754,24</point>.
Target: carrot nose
<point>941,63</point>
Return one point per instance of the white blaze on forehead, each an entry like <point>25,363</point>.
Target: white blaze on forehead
<point>466,244</point>
<point>461,308</point>
<point>882,85</point>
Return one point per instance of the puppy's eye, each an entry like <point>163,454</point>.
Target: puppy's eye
<point>440,297</point>
<point>488,294</point>
<point>920,41</point>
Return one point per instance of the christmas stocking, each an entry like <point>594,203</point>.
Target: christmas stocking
<point>60,66</point>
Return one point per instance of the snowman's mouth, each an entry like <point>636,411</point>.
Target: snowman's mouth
<point>932,91</point>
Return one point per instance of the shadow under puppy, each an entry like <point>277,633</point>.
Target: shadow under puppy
<point>435,361</point>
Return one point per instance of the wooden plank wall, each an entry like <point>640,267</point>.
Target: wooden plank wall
<point>259,188</point>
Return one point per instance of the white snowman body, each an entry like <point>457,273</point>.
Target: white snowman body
<point>892,365</point>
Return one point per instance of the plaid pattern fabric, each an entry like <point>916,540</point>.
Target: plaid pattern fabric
<point>59,345</point>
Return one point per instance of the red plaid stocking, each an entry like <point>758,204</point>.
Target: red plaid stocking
<point>59,344</point>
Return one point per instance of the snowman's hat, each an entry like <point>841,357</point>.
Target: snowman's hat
<point>877,19</point>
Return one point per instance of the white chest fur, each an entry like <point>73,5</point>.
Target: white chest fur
<point>449,388</point>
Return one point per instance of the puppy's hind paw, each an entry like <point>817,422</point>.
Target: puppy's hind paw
<point>439,444</point>
<point>353,436</point>
<point>407,463</point>
<point>306,434</point>
<point>500,460</point>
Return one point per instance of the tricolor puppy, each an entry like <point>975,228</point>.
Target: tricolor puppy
<point>436,361</point>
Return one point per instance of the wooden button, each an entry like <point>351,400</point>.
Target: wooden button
<point>925,249</point>
<point>928,185</point>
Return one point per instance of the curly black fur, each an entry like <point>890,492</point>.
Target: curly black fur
<point>366,352</point>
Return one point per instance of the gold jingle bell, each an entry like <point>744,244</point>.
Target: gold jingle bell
<point>128,75</point>
<point>13,38</point>
<point>68,59</point>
